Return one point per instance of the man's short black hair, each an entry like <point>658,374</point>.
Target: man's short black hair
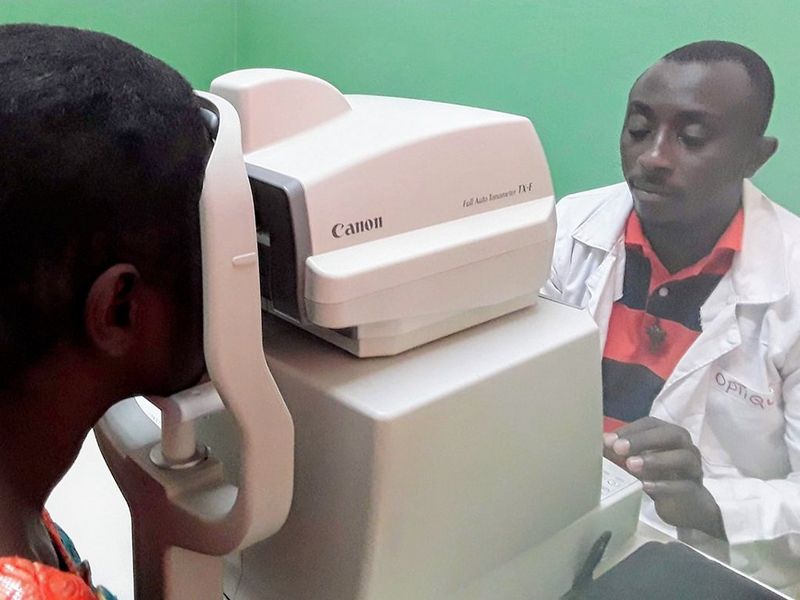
<point>102,156</point>
<point>760,74</point>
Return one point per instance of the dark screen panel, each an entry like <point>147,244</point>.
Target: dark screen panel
<point>276,249</point>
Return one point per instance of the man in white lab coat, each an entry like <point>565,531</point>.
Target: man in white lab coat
<point>693,277</point>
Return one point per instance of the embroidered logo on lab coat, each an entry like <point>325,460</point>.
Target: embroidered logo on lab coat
<point>731,387</point>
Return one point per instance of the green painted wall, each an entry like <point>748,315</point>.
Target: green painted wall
<point>197,37</point>
<point>567,64</point>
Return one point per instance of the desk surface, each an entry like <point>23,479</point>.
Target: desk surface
<point>646,533</point>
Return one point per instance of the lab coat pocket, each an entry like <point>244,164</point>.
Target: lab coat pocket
<point>743,422</point>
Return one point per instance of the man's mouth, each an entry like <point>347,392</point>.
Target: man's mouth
<point>651,190</point>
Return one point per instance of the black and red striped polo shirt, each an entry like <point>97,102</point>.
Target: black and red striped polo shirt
<point>657,318</point>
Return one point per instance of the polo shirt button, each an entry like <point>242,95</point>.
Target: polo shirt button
<point>663,292</point>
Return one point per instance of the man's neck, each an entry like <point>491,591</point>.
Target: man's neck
<point>679,245</point>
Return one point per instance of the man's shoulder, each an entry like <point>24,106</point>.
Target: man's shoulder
<point>790,228</point>
<point>574,209</point>
<point>789,224</point>
<point>595,196</point>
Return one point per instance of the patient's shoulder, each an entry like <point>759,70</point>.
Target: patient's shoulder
<point>26,580</point>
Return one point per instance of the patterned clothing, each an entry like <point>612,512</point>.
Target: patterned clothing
<point>22,579</point>
<point>657,318</point>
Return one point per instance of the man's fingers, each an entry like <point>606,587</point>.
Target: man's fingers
<point>638,425</point>
<point>674,500</point>
<point>671,465</point>
<point>614,457</point>
<point>642,424</point>
<point>664,436</point>
<point>665,489</point>
<point>686,504</point>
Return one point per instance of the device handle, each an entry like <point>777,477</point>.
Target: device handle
<point>195,509</point>
<point>233,342</point>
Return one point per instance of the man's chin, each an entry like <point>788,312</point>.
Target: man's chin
<point>655,212</point>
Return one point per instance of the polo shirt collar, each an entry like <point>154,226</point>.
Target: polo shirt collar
<point>717,261</point>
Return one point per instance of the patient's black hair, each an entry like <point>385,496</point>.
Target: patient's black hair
<point>102,155</point>
<point>709,51</point>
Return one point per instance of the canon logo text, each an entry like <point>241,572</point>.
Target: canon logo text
<point>347,229</point>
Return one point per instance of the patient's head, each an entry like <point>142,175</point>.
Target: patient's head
<point>101,168</point>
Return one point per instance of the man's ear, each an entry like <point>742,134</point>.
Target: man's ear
<point>765,148</point>
<point>111,307</point>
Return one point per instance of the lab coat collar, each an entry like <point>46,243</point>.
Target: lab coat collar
<point>758,273</point>
<point>606,225</point>
<point>757,276</point>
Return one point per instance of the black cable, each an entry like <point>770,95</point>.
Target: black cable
<point>584,575</point>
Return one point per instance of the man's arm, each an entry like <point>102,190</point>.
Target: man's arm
<point>744,509</point>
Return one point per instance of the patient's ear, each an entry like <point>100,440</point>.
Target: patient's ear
<point>112,308</point>
<point>765,148</point>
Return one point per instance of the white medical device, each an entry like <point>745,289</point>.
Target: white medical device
<point>462,461</point>
<point>384,222</point>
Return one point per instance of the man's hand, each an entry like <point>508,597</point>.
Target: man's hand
<point>668,464</point>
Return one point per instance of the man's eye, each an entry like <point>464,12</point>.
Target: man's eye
<point>694,135</point>
<point>692,141</point>
<point>638,134</point>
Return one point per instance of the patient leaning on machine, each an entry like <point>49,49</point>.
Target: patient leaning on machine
<point>102,166</point>
<point>693,276</point>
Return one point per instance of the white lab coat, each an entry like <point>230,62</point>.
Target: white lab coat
<point>737,388</point>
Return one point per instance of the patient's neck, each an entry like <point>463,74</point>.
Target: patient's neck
<point>44,420</point>
<point>22,532</point>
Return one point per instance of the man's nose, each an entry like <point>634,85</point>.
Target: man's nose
<point>659,155</point>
